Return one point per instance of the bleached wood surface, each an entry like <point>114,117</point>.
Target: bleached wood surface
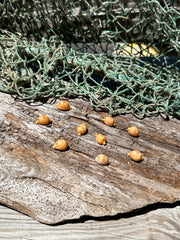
<point>158,224</point>
<point>53,186</point>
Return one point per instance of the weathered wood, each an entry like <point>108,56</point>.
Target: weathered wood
<point>159,224</point>
<point>53,186</point>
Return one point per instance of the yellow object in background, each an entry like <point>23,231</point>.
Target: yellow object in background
<point>140,50</point>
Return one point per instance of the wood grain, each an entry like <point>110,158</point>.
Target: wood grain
<point>158,224</point>
<point>53,186</point>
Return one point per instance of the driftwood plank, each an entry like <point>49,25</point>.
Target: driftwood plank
<point>159,224</point>
<point>53,186</point>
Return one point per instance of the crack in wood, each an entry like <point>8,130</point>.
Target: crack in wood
<point>60,190</point>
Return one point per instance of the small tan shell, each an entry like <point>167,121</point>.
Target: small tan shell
<point>61,144</point>
<point>135,155</point>
<point>43,119</point>
<point>109,121</point>
<point>102,159</point>
<point>81,129</point>
<point>63,105</point>
<point>133,131</point>
<point>101,139</point>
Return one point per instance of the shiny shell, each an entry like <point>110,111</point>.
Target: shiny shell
<point>102,159</point>
<point>43,119</point>
<point>135,155</point>
<point>133,131</point>
<point>63,105</point>
<point>109,121</point>
<point>101,139</point>
<point>61,145</point>
<point>81,129</point>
